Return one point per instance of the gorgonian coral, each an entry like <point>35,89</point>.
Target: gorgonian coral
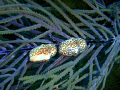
<point>25,25</point>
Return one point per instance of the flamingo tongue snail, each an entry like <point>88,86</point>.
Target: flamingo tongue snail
<point>72,46</point>
<point>42,53</point>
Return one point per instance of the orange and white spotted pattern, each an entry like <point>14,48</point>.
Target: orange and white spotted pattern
<point>42,53</point>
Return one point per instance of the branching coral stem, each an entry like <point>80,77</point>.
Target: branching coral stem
<point>12,53</point>
<point>81,19</point>
<point>53,64</point>
<point>26,41</point>
<point>97,10</point>
<point>67,18</point>
<point>28,12</point>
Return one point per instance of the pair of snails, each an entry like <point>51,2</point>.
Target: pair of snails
<point>70,47</point>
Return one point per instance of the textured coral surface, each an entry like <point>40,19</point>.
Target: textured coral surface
<point>83,63</point>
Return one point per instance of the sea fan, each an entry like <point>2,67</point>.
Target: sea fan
<point>25,25</point>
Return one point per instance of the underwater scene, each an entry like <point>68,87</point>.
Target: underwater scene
<point>59,44</point>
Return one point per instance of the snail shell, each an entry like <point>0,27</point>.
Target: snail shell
<point>81,44</point>
<point>42,53</point>
<point>69,47</point>
<point>72,46</point>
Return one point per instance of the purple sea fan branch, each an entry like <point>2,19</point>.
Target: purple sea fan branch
<point>21,30</point>
<point>14,23</point>
<point>4,60</point>
<point>53,64</point>
<point>97,10</point>
<point>2,52</point>
<point>11,77</point>
<point>81,19</point>
<point>58,40</point>
<point>44,27</point>
<point>66,17</point>
<point>26,41</point>
<point>67,28</point>
<point>17,60</point>
<point>53,29</point>
<point>39,16</point>
<point>22,74</point>
<point>61,61</point>
<point>9,19</point>
<point>38,71</point>
<point>11,55</point>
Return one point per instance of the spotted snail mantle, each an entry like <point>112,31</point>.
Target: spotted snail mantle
<point>43,53</point>
<point>70,47</point>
